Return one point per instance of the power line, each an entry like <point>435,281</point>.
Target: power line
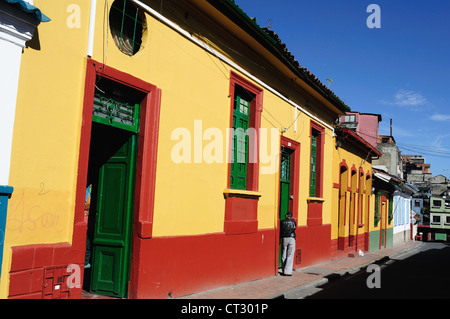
<point>431,150</point>
<point>428,153</point>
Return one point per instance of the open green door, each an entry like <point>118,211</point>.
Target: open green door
<point>111,172</point>
<point>113,161</point>
<point>285,189</point>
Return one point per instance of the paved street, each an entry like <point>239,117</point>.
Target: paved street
<point>304,281</point>
<point>423,272</point>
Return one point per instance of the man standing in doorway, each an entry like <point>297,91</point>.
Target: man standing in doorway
<point>287,234</point>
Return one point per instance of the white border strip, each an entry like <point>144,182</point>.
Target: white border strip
<point>224,59</point>
<point>92,14</point>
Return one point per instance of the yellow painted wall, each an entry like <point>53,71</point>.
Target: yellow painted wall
<point>351,159</point>
<point>46,133</point>
<point>195,86</point>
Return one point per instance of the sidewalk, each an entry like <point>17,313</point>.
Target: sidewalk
<point>282,287</point>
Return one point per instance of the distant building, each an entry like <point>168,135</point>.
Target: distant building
<point>440,186</point>
<point>416,171</point>
<point>364,124</point>
<point>391,158</point>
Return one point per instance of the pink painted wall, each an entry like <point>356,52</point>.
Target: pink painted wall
<point>367,126</point>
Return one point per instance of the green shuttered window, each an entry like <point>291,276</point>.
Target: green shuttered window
<point>240,144</point>
<point>313,173</point>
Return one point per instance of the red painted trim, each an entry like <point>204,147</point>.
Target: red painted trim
<point>345,210</point>
<point>360,216</point>
<point>354,213</point>
<point>343,169</point>
<point>343,164</point>
<point>353,191</point>
<point>353,170</point>
<point>147,158</point>
<point>360,142</point>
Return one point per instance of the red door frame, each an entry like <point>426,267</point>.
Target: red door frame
<point>147,150</point>
<point>295,178</point>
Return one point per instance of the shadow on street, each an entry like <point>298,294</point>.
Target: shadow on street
<point>420,274</point>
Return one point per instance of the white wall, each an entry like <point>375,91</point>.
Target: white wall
<point>10,55</point>
<point>15,30</point>
<point>402,218</point>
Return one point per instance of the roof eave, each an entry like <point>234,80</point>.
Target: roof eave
<point>240,18</point>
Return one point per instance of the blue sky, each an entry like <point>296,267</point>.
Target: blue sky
<point>401,70</point>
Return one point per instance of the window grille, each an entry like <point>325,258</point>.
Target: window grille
<point>114,113</point>
<point>127,24</point>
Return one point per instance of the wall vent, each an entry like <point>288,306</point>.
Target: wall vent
<point>55,283</point>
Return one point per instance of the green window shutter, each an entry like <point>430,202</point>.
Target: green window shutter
<point>313,173</point>
<point>239,146</point>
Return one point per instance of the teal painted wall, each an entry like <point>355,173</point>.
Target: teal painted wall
<point>5,194</point>
<point>374,239</point>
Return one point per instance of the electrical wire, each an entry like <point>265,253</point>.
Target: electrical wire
<point>430,150</point>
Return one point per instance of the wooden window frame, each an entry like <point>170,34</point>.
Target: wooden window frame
<point>241,205</point>
<point>319,131</point>
<point>240,125</point>
<point>254,123</point>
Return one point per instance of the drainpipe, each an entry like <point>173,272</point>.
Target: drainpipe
<point>90,49</point>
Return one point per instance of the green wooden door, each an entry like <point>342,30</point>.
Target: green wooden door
<point>114,213</point>
<point>285,189</point>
